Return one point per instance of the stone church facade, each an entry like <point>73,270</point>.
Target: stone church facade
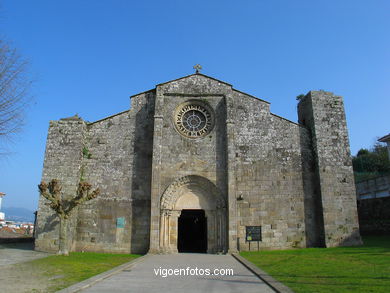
<point>195,164</point>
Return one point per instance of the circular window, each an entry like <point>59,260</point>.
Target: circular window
<point>194,119</point>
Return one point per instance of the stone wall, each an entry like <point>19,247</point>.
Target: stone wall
<point>374,216</point>
<point>114,155</point>
<point>374,205</point>
<point>118,161</point>
<point>107,143</point>
<point>175,156</point>
<point>269,176</point>
<point>63,158</point>
<point>373,188</point>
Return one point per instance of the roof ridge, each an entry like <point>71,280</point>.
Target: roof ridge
<point>201,74</point>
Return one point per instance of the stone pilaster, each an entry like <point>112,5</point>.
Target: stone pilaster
<point>231,176</point>
<point>156,192</point>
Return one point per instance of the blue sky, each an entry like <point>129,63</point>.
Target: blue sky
<point>89,56</point>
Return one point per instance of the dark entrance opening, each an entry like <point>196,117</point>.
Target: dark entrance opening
<point>192,231</point>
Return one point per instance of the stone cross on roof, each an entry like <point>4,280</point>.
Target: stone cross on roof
<point>197,68</point>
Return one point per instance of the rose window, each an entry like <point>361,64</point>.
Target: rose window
<point>193,119</point>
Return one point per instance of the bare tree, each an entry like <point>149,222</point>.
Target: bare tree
<point>14,86</point>
<point>64,207</point>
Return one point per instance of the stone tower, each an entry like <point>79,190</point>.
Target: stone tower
<point>332,182</point>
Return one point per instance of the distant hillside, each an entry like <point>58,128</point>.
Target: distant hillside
<point>18,214</point>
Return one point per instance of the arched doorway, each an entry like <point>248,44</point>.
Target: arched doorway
<point>192,231</point>
<point>192,217</point>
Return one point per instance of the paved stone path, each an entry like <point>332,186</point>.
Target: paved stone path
<point>142,278</point>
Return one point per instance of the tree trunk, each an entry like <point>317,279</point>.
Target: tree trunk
<point>63,245</point>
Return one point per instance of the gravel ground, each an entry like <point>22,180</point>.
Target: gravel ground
<point>17,275</point>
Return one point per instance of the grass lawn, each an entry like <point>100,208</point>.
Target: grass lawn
<point>343,269</point>
<point>63,271</point>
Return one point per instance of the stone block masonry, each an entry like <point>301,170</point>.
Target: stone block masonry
<point>323,114</point>
<point>249,167</point>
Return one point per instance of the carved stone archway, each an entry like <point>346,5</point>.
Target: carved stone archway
<point>192,192</point>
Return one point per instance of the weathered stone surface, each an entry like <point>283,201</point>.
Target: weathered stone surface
<point>323,113</point>
<point>373,188</point>
<point>252,169</point>
<point>374,205</point>
<point>374,216</point>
